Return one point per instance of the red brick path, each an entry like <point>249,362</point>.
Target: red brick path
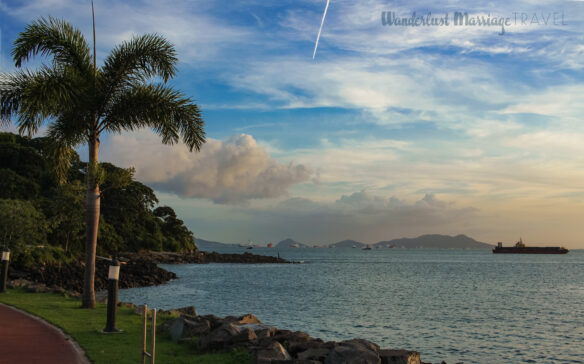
<point>25,339</point>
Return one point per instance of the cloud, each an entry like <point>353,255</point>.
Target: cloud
<point>194,26</point>
<point>226,172</point>
<point>563,102</point>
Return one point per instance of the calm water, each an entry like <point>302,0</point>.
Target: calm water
<point>453,305</point>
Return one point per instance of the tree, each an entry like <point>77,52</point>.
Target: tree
<point>179,238</point>
<point>64,212</point>
<point>82,102</point>
<point>21,224</point>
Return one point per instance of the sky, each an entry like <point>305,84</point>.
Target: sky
<point>390,131</point>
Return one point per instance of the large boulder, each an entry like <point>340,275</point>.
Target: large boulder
<point>227,335</point>
<point>196,326</point>
<point>319,354</point>
<point>355,351</point>
<point>271,352</point>
<point>214,321</point>
<point>187,311</point>
<point>244,319</point>
<point>261,330</point>
<point>175,329</point>
<point>186,327</point>
<point>399,357</point>
<point>297,341</point>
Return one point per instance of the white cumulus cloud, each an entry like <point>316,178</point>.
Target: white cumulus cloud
<point>226,172</point>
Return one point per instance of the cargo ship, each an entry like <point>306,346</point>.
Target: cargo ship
<point>520,248</point>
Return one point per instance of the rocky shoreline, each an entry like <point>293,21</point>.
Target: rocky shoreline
<point>271,345</point>
<point>138,269</point>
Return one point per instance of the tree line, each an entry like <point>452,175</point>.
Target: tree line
<point>38,211</point>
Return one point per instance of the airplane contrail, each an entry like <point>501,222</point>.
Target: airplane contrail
<point>320,30</point>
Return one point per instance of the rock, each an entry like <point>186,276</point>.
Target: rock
<point>274,351</point>
<point>399,357</point>
<point>225,336</point>
<point>176,329</point>
<point>299,346</point>
<point>139,310</point>
<point>296,341</point>
<point>241,320</point>
<point>197,326</point>
<point>188,311</point>
<point>17,283</point>
<point>245,335</point>
<point>314,354</point>
<point>261,330</point>
<point>214,257</point>
<point>215,321</point>
<point>355,351</point>
<point>129,305</point>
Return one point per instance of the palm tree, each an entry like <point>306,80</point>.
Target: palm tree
<point>81,102</point>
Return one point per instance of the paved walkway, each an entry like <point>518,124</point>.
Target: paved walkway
<point>25,339</point>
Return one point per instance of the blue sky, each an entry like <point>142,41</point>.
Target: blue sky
<point>390,131</point>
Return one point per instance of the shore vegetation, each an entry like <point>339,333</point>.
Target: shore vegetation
<point>81,102</point>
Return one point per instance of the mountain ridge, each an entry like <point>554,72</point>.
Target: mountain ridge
<point>426,241</point>
<point>436,241</point>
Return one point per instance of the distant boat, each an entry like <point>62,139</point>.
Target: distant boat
<point>270,245</point>
<point>354,246</point>
<point>521,248</point>
<point>367,247</point>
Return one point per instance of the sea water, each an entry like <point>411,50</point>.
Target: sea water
<point>453,305</point>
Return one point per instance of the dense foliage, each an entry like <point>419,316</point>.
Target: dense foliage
<point>36,210</point>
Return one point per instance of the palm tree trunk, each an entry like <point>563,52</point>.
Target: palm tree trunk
<point>92,204</point>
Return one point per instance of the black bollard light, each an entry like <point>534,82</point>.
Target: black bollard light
<point>112,297</point>
<point>4,273</point>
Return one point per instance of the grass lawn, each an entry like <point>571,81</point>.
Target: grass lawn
<point>85,326</point>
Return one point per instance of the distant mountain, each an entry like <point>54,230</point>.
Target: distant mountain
<point>436,241</point>
<point>209,245</point>
<point>287,242</point>
<point>430,241</point>
<point>347,244</point>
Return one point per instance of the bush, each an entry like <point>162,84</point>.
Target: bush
<point>41,255</point>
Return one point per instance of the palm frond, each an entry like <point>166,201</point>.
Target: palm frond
<point>132,63</point>
<point>141,58</point>
<point>59,156</point>
<point>10,96</point>
<point>56,38</point>
<point>36,96</point>
<point>168,112</point>
<point>70,128</point>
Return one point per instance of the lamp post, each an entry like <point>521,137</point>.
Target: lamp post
<point>112,297</point>
<point>4,272</point>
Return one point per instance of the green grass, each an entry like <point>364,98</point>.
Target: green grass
<point>85,326</point>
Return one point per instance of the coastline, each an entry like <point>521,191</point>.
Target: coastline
<point>268,344</point>
<point>138,269</point>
